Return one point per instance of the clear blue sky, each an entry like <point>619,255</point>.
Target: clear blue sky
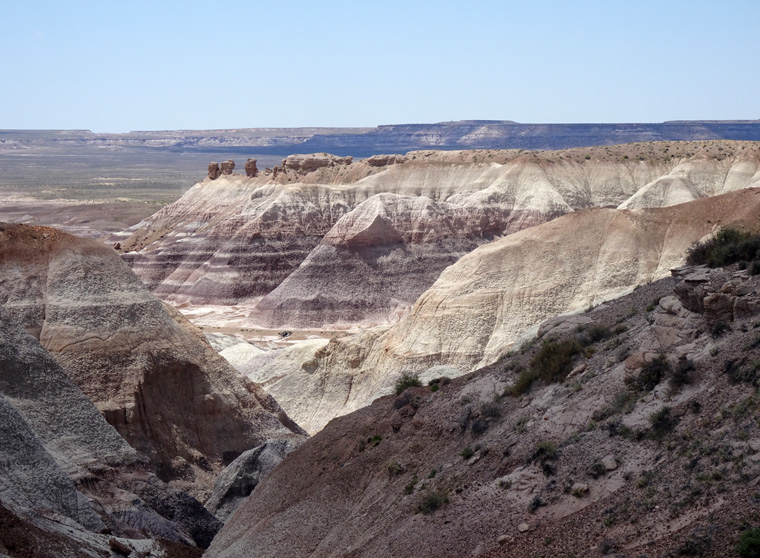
<point>148,65</point>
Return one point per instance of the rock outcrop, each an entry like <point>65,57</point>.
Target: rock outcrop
<point>304,164</point>
<point>238,480</point>
<point>151,373</point>
<point>227,167</point>
<point>251,170</point>
<point>213,171</point>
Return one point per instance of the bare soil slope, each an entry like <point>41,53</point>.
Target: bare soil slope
<point>616,460</point>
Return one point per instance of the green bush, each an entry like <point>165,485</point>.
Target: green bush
<point>730,245</point>
<point>680,376</point>
<point>650,375</point>
<point>748,545</point>
<point>662,422</point>
<point>430,501</point>
<point>407,380</point>
<point>553,361</point>
<point>589,336</point>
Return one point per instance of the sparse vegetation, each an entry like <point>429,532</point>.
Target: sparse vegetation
<point>729,245</point>
<point>552,363</point>
<point>407,380</point>
<point>394,468</point>
<point>436,383</point>
<point>467,453</point>
<point>662,422</point>
<point>651,374</point>
<point>680,375</point>
<point>431,500</point>
<point>748,545</point>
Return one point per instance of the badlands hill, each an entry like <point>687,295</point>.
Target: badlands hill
<point>265,242</point>
<point>114,408</point>
<point>649,447</point>
<point>494,297</point>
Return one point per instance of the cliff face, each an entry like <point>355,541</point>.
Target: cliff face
<point>150,372</point>
<point>263,241</point>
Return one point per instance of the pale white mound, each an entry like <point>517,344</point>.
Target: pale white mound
<point>240,353</point>
<point>696,178</point>
<point>479,306</point>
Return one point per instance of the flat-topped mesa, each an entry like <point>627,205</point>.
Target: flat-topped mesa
<point>251,170</point>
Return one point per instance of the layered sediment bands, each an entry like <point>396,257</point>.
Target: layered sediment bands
<point>483,303</point>
<point>61,459</point>
<point>372,265</point>
<point>145,367</point>
<point>236,239</point>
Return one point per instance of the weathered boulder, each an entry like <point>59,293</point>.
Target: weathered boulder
<point>213,171</point>
<point>251,170</point>
<point>241,476</point>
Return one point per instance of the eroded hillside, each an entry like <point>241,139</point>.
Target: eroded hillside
<point>116,412</point>
<point>494,297</point>
<point>643,442</point>
<point>374,234</point>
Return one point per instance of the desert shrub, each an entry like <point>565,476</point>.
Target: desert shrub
<point>728,246</point>
<point>590,335</point>
<point>662,422</point>
<point>394,468</point>
<point>409,487</point>
<point>650,375</point>
<point>680,376</point>
<point>545,451</point>
<point>479,426</point>
<point>739,371</point>
<point>490,410</point>
<point>719,329</point>
<point>467,453</point>
<point>431,500</point>
<point>536,503</point>
<point>543,454</point>
<point>553,361</point>
<point>407,380</point>
<point>521,424</point>
<point>748,545</point>
<point>522,384</point>
<point>437,383</point>
<point>597,469</point>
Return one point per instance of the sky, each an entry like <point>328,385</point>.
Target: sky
<point>165,65</point>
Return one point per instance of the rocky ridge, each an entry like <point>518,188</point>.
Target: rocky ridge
<point>613,460</point>
<point>261,241</point>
